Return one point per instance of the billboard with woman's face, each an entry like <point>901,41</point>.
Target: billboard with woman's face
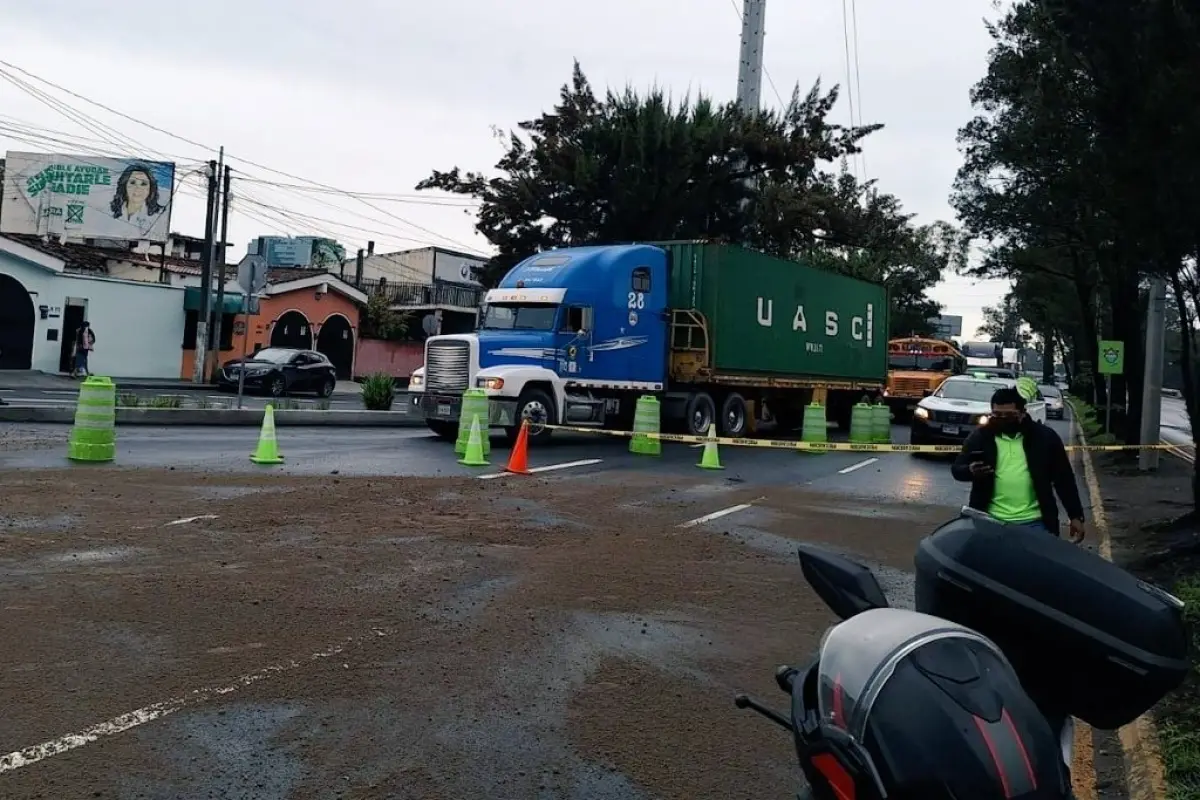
<point>87,196</point>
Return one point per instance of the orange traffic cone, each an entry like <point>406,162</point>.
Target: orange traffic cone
<point>518,460</point>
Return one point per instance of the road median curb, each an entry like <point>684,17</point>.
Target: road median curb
<point>244,417</point>
<point>1145,773</point>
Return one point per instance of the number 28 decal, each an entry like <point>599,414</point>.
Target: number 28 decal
<point>637,300</point>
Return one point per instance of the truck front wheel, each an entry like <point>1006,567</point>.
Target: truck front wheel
<point>537,407</point>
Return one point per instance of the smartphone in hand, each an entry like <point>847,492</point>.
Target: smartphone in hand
<point>976,461</point>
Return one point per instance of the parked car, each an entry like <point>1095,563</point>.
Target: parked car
<point>278,371</point>
<point>1054,401</point>
<point>960,405</point>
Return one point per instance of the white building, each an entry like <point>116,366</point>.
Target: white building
<point>425,265</point>
<point>139,325</point>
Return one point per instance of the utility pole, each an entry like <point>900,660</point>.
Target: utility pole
<point>219,319</point>
<point>210,214</point>
<point>750,64</point>
<point>1156,329</point>
<point>750,71</point>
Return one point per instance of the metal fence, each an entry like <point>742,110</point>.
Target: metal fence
<point>422,294</point>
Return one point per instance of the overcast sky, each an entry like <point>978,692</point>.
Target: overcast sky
<point>368,96</point>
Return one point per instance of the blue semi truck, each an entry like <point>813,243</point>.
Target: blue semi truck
<point>718,333</point>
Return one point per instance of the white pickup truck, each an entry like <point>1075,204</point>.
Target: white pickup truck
<point>960,405</point>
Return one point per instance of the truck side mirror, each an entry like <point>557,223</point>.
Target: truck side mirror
<point>585,323</point>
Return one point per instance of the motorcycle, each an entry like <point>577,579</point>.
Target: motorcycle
<point>1012,630</point>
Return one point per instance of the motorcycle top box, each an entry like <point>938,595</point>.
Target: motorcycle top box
<point>1087,638</point>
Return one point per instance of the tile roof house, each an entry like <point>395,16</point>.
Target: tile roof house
<point>176,264</point>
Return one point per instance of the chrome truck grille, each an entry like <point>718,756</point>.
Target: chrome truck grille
<point>447,367</point>
<point>953,417</point>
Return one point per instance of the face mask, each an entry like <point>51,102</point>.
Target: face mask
<point>1008,427</point>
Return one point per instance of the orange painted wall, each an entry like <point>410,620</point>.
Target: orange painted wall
<point>316,308</point>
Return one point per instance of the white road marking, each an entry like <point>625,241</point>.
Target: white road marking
<point>859,465</point>
<point>36,401</point>
<point>724,512</point>
<point>587,462</point>
<point>186,520</point>
<point>71,392</point>
<point>133,719</point>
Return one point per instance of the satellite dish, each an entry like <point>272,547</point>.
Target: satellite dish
<point>429,325</point>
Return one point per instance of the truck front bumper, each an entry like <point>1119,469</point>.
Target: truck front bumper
<point>502,411</point>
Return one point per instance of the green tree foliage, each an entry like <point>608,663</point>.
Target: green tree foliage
<point>630,167</point>
<point>1003,323</point>
<point>1080,167</point>
<point>381,322</point>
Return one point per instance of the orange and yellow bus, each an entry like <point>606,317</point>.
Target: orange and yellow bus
<point>917,366</point>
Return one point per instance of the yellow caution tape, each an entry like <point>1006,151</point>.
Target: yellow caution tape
<point>828,447</point>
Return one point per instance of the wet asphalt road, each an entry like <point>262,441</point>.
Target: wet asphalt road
<point>851,482</point>
<point>1174,415</point>
<point>415,452</point>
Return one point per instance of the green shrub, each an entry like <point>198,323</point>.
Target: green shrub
<point>166,401</point>
<point>1179,728</point>
<point>128,400</point>
<point>378,392</point>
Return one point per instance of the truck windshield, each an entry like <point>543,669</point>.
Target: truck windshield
<point>519,317</point>
<point>915,361</point>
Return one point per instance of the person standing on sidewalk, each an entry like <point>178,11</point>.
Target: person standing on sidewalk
<point>85,342</point>
<point>1016,466</point>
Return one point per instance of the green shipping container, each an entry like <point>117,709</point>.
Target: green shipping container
<point>776,317</point>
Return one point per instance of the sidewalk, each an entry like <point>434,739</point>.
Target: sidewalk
<point>14,380</point>
<point>27,379</point>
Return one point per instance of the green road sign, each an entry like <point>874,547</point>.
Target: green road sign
<point>1112,357</point>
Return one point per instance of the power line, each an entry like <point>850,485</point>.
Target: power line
<point>857,76</point>
<point>273,216</point>
<point>192,142</point>
<point>398,197</point>
<point>849,78</point>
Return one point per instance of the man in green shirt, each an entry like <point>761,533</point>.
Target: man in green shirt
<point>1016,467</point>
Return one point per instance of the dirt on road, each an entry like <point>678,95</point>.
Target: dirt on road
<point>269,637</point>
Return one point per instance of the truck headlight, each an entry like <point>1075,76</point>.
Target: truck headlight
<point>490,383</point>
<point>416,381</point>
<point>921,413</point>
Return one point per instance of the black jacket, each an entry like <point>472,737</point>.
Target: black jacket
<point>1049,468</point>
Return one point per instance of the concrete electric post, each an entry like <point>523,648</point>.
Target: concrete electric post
<point>750,71</point>
<point>201,347</point>
<point>1156,323</point>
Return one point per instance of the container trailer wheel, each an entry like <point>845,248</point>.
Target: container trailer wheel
<point>700,413</point>
<point>734,416</point>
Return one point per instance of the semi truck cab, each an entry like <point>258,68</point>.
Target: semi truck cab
<point>566,336</point>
